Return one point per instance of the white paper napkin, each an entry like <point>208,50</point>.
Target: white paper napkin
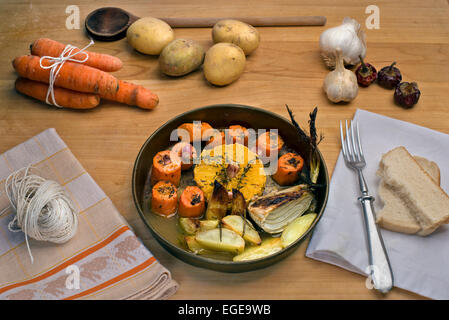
<point>420,264</point>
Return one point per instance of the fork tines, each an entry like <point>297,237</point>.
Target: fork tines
<point>351,146</point>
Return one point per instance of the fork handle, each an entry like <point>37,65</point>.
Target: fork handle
<point>380,269</point>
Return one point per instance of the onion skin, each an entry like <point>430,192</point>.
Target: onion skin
<point>407,94</point>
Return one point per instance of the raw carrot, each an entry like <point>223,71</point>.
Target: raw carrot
<point>47,47</point>
<point>289,167</point>
<point>186,152</point>
<point>191,202</point>
<point>196,131</point>
<point>78,77</point>
<point>73,76</point>
<point>64,97</point>
<point>164,198</point>
<point>166,167</point>
<point>238,134</point>
<point>133,95</point>
<point>268,142</point>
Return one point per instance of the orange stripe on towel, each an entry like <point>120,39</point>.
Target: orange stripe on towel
<point>114,280</point>
<point>68,262</point>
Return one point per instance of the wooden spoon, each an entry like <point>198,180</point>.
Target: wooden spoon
<point>109,23</point>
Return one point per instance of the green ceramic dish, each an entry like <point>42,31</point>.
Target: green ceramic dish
<point>218,116</point>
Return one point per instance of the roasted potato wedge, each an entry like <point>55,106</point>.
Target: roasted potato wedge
<point>188,225</point>
<point>244,229</point>
<point>218,203</point>
<point>266,248</point>
<point>238,203</point>
<point>297,228</point>
<point>208,224</point>
<point>194,246</point>
<point>228,240</point>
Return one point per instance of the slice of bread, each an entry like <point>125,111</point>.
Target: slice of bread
<point>395,215</point>
<point>427,202</point>
<point>430,167</point>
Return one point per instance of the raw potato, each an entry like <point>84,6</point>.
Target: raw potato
<point>181,57</point>
<point>235,223</point>
<point>297,228</point>
<point>224,63</point>
<point>266,248</point>
<point>149,35</point>
<point>239,33</point>
<point>230,241</point>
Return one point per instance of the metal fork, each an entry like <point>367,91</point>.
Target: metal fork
<point>379,269</point>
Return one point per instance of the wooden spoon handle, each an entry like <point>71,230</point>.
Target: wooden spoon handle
<point>254,21</point>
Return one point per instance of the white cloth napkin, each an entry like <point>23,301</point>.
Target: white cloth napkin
<point>420,264</point>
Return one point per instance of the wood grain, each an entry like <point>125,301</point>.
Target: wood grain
<point>285,69</point>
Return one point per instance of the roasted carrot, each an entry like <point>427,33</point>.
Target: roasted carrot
<point>47,47</point>
<point>64,97</point>
<point>78,77</point>
<point>191,202</point>
<point>216,140</point>
<point>164,198</point>
<point>205,129</point>
<point>196,131</point>
<point>186,152</point>
<point>166,167</point>
<point>268,142</point>
<point>289,167</point>
<point>238,134</point>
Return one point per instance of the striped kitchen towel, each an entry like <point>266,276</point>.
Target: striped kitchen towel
<point>104,260</point>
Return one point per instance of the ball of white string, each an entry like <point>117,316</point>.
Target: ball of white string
<point>43,209</point>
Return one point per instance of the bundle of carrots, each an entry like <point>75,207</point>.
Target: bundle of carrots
<point>78,85</point>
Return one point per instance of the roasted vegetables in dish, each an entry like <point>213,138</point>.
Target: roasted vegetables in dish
<point>232,165</point>
<point>166,167</point>
<point>218,203</point>
<point>191,202</point>
<point>268,247</point>
<point>164,198</point>
<point>289,168</point>
<point>227,202</point>
<point>274,211</point>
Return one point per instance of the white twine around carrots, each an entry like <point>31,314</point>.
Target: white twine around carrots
<point>56,64</point>
<point>43,209</point>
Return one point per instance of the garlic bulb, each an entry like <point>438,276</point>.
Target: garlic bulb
<point>340,84</point>
<point>349,37</point>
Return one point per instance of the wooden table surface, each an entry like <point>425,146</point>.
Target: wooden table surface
<point>285,69</point>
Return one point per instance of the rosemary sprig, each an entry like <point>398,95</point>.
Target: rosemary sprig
<point>311,139</point>
<point>301,132</point>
